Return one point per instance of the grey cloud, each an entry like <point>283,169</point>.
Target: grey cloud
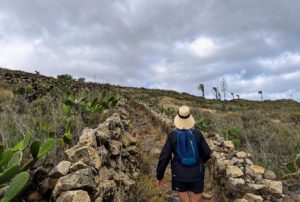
<point>134,42</point>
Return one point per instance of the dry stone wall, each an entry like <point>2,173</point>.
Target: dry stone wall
<point>21,77</point>
<point>102,166</point>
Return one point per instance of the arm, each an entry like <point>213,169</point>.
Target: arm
<point>205,151</point>
<point>164,158</point>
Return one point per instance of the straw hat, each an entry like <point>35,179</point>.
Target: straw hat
<point>184,119</point>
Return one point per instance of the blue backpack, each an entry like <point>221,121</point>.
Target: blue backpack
<point>187,149</point>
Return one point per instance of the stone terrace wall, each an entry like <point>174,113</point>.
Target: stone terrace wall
<point>232,173</point>
<point>102,166</point>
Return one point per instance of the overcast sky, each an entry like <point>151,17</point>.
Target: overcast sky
<point>168,44</point>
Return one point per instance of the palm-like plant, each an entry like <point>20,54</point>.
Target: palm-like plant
<point>238,96</point>
<point>232,95</point>
<point>215,89</point>
<point>201,87</point>
<point>260,92</point>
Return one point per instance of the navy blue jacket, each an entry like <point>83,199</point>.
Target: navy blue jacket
<point>180,172</point>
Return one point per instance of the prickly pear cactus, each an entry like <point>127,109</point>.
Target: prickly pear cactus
<point>46,147</point>
<point>34,149</point>
<point>9,174</point>
<point>16,186</point>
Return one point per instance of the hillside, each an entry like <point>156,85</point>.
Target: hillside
<point>126,125</point>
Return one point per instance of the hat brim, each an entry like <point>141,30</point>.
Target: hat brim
<point>184,123</point>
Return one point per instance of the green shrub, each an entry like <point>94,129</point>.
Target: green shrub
<point>232,134</point>
<point>65,78</point>
<point>294,166</point>
<point>205,124</point>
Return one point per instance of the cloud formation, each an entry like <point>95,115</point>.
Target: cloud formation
<point>171,44</point>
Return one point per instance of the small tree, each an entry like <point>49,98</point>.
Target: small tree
<point>238,96</point>
<point>232,94</point>
<point>201,88</point>
<point>260,92</point>
<point>224,87</point>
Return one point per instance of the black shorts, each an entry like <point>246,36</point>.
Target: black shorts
<point>195,187</point>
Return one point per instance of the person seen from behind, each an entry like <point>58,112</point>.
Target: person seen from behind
<point>190,152</point>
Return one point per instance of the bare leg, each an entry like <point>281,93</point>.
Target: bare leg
<point>183,196</point>
<point>190,197</point>
<point>196,197</point>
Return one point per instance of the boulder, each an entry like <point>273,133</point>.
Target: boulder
<point>81,179</point>
<point>236,181</point>
<point>234,171</point>
<point>128,140</point>
<point>229,144</point>
<point>255,187</point>
<point>253,198</point>
<point>132,150</point>
<point>116,134</point>
<point>102,135</point>
<point>268,174</point>
<point>124,180</point>
<point>74,196</point>
<point>248,161</point>
<point>113,122</point>
<point>61,169</point>
<point>77,166</point>
<point>241,154</point>
<point>103,152</point>
<point>86,154</point>
<point>107,190</point>
<point>273,186</point>
<point>115,147</point>
<point>257,169</point>
<point>236,161</point>
<point>222,164</point>
<point>106,174</point>
<point>88,138</point>
<point>249,171</point>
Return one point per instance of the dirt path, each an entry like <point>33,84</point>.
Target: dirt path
<point>152,139</point>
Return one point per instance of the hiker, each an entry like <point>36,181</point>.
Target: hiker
<point>190,152</point>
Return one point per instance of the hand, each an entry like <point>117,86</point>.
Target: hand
<point>159,183</point>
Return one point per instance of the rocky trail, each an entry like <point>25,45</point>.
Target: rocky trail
<point>152,138</point>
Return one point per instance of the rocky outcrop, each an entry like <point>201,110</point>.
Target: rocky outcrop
<point>102,166</point>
